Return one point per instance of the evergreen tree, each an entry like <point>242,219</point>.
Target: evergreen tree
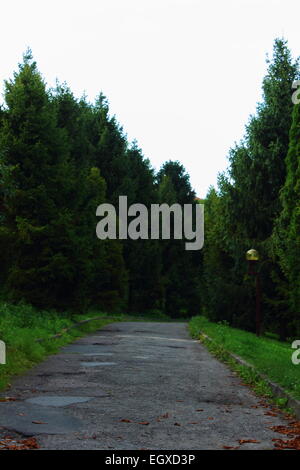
<point>60,158</point>
<point>100,267</point>
<point>250,194</point>
<point>50,253</point>
<point>142,257</point>
<point>35,147</point>
<point>286,236</point>
<point>181,268</point>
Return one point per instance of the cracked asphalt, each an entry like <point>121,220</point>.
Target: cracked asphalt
<point>132,386</point>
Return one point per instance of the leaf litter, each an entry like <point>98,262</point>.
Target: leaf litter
<point>18,444</point>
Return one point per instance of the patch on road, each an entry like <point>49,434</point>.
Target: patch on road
<point>51,400</point>
<point>30,420</point>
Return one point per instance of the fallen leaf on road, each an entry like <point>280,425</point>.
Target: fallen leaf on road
<point>125,421</point>
<point>177,424</point>
<point>200,409</point>
<point>144,422</point>
<point>264,404</point>
<point>231,447</point>
<point>250,441</point>
<point>270,413</point>
<point>39,422</point>
<point>287,417</point>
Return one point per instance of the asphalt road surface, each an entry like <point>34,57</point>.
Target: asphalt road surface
<point>136,386</point>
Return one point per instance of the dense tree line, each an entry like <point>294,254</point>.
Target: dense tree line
<point>61,157</point>
<point>256,205</point>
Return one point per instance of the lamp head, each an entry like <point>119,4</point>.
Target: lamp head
<point>252,255</point>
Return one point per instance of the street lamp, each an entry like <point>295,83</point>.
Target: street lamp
<point>252,257</point>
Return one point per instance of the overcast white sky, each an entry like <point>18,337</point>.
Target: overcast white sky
<point>181,76</point>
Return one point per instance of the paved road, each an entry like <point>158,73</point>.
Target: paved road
<point>136,386</point>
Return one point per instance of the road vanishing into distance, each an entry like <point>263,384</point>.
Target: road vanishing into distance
<point>133,386</point>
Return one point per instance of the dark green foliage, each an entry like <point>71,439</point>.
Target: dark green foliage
<point>60,158</point>
<point>181,268</point>
<point>37,216</point>
<point>241,214</point>
<point>180,181</point>
<point>286,237</point>
<point>55,256</point>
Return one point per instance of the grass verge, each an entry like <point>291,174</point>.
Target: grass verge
<point>268,356</point>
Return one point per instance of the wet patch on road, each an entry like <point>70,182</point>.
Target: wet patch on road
<point>50,400</point>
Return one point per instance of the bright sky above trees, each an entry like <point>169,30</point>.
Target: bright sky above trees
<point>182,76</point>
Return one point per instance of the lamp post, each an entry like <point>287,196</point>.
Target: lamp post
<point>252,257</point>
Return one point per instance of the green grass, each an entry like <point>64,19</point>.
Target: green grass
<point>269,356</point>
<point>21,325</point>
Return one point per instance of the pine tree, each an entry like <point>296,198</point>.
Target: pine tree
<point>250,193</point>
<point>181,268</point>
<point>286,236</point>
<point>38,219</point>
